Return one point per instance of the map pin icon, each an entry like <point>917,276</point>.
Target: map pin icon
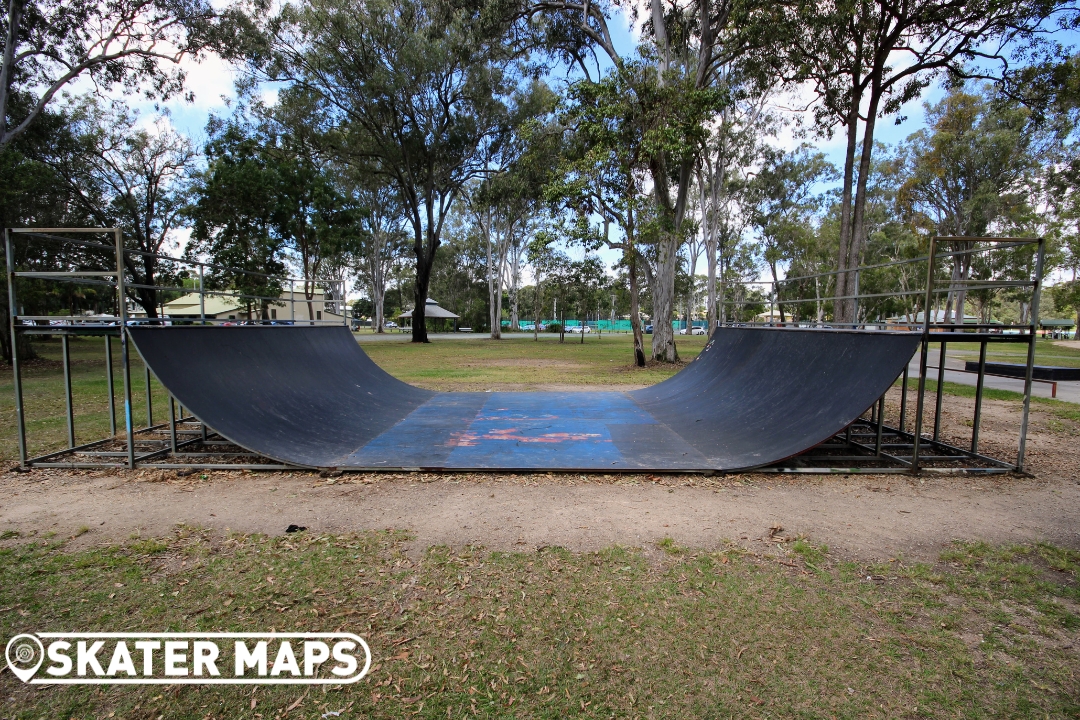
<point>24,655</point>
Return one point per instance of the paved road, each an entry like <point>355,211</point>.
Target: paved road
<point>1067,391</point>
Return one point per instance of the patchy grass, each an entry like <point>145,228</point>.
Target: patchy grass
<point>43,397</point>
<point>1057,408</point>
<point>524,364</point>
<point>988,632</point>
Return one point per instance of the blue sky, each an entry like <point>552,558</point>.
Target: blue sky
<point>212,84</point>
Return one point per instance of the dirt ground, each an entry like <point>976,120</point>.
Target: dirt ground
<point>857,516</point>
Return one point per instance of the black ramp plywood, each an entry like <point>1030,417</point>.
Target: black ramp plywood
<point>311,396</point>
<point>755,396</point>
<point>304,395</point>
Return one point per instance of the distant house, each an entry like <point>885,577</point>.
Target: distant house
<point>290,306</point>
<point>1057,329</point>
<point>903,322</point>
<point>432,311</point>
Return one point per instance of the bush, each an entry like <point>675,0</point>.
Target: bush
<point>554,328</point>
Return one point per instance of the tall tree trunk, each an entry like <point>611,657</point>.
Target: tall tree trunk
<point>663,340</point>
<point>858,219</point>
<point>843,308</point>
<point>776,293</point>
<point>425,259</point>
<point>536,323</point>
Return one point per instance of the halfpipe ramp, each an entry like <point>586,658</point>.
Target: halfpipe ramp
<point>311,396</point>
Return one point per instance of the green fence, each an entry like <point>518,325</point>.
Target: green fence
<point>605,325</point>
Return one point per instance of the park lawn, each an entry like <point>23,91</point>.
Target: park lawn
<point>669,633</point>
<point>43,397</point>
<point>525,364</point>
<point>1046,353</point>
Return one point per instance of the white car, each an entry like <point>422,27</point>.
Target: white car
<point>578,329</point>
<point>693,331</point>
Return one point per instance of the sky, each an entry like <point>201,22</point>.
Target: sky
<point>212,82</point>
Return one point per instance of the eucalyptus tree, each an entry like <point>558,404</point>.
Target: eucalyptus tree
<point>507,204</point>
<point>604,171</point>
<point>784,204</point>
<point>125,175</point>
<point>268,191</point>
<point>232,214</point>
<point>133,44</point>
<point>674,87</point>
<point>972,169</point>
<point>867,58</point>
<point>736,139</point>
<point>414,87</point>
<point>383,240</point>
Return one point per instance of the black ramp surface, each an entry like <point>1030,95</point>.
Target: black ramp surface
<point>758,395</point>
<point>311,396</point>
<point>303,395</point>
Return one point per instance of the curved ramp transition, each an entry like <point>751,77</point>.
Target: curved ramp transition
<point>311,396</point>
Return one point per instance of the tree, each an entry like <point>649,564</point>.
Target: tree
<point>33,193</point>
<point>49,44</point>
<point>233,214</point>
<point>130,177</point>
<point>302,205</point>
<point>867,58</point>
<point>545,261</point>
<point>973,166</point>
<point>383,243</point>
<point>783,206</point>
<point>674,89</point>
<point>415,89</point>
<point>603,171</point>
<point>731,150</point>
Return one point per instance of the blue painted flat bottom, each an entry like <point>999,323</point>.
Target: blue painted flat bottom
<point>528,431</point>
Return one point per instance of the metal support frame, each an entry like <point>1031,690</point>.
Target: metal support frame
<point>16,369</point>
<point>866,446</point>
<point>940,391</point>
<point>172,424</point>
<point>125,357</point>
<point>1036,296</point>
<point>65,343</point>
<point>149,398</point>
<point>977,420</point>
<point>110,383</point>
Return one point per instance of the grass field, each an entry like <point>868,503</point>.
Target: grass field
<point>43,397</point>
<point>674,633</point>
<point>523,363</point>
<point>789,630</point>
<point>1046,353</point>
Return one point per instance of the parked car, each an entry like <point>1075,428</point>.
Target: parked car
<point>526,327</point>
<point>578,329</point>
<point>648,329</point>
<point>698,330</point>
<point>390,325</point>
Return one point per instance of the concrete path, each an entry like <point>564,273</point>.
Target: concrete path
<point>954,366</point>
